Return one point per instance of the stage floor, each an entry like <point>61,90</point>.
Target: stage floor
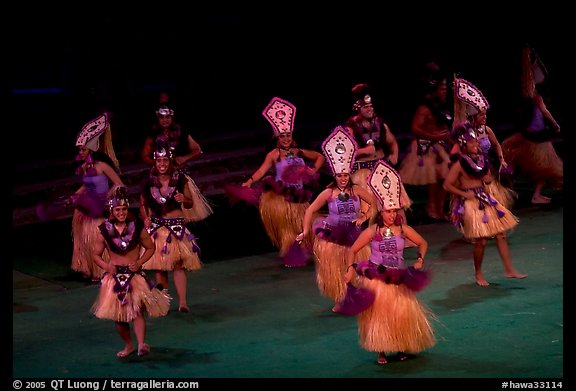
<point>252,318</point>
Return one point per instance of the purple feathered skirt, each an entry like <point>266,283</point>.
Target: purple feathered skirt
<point>413,279</point>
<point>343,233</point>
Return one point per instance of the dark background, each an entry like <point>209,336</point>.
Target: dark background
<point>223,68</point>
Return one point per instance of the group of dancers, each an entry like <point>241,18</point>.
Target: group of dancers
<point>354,231</point>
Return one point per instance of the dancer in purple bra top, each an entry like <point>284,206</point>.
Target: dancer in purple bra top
<point>98,171</point>
<point>530,150</point>
<point>390,317</point>
<point>338,230</point>
<point>286,195</point>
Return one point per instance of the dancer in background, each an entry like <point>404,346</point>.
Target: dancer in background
<point>126,295</point>
<point>478,215</point>
<point>427,159</point>
<point>372,134</point>
<point>90,200</point>
<point>391,319</point>
<point>531,151</point>
<point>286,195</point>
<point>184,147</point>
<point>337,231</point>
<point>471,105</point>
<point>169,200</point>
<point>375,141</point>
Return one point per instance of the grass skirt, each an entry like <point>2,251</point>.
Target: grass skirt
<point>503,194</point>
<point>141,298</point>
<point>538,161</point>
<point>201,207</point>
<point>282,220</point>
<point>84,234</point>
<point>331,265</point>
<point>396,321</point>
<point>425,168</point>
<point>172,253</point>
<point>476,219</point>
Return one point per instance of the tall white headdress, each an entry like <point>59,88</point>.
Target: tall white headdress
<point>340,151</point>
<point>280,113</point>
<point>91,131</point>
<point>468,94</point>
<point>386,186</point>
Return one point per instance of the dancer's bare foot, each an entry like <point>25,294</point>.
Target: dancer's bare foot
<point>143,349</point>
<point>480,280</point>
<point>515,274</point>
<point>184,308</point>
<point>128,350</point>
<point>541,199</point>
<point>382,359</point>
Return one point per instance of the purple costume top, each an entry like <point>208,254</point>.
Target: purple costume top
<point>338,227</point>
<point>387,251</point>
<point>96,184</point>
<point>284,164</point>
<point>342,211</point>
<point>537,123</point>
<point>291,180</point>
<point>484,144</point>
<point>386,264</point>
<point>93,201</point>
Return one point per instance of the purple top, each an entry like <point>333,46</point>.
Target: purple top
<point>283,164</point>
<point>537,122</point>
<point>96,184</point>
<point>485,145</point>
<point>387,251</point>
<point>342,211</point>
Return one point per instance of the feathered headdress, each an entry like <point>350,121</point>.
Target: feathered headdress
<point>385,183</point>
<point>280,113</point>
<point>340,151</point>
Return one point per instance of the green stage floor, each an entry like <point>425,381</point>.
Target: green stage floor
<point>252,318</point>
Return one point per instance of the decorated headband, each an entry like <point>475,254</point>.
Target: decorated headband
<point>280,113</point>
<point>471,96</point>
<point>163,149</point>
<point>91,131</point>
<point>365,100</point>
<point>385,183</point>
<point>340,151</point>
<point>119,197</point>
<point>164,111</point>
<point>362,96</point>
<point>463,132</point>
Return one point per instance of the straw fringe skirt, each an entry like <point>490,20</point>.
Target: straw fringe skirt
<point>396,321</point>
